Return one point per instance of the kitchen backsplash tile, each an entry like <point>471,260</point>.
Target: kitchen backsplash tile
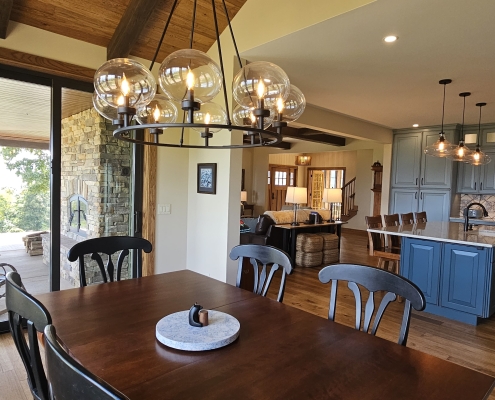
<point>487,200</point>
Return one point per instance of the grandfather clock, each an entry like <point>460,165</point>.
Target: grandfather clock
<point>377,169</point>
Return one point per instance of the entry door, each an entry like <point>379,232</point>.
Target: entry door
<point>279,178</point>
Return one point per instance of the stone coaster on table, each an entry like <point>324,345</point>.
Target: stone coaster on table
<point>174,331</point>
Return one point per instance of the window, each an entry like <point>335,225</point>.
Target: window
<point>280,178</point>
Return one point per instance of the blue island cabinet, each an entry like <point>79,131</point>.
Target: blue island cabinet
<point>457,280</point>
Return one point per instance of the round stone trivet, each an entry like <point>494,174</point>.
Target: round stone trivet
<point>174,331</point>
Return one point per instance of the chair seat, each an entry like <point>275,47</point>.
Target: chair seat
<point>386,252</point>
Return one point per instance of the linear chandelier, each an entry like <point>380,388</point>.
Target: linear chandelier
<point>126,94</point>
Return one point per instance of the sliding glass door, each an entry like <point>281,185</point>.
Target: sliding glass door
<point>71,180</point>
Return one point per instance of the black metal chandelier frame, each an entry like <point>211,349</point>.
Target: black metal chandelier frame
<point>259,136</point>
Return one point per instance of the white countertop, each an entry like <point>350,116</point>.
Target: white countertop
<point>451,232</point>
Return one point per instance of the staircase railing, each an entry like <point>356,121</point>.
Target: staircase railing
<point>348,195</point>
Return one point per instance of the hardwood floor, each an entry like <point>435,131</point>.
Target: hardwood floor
<point>472,347</point>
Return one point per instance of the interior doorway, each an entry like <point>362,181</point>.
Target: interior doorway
<point>320,179</point>
<point>279,178</point>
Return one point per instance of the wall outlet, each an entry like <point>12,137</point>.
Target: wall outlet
<point>164,209</point>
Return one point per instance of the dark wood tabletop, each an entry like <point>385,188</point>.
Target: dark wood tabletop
<point>282,352</point>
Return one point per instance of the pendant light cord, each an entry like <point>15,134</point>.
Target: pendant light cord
<point>462,126</point>
<point>479,128</point>
<point>443,107</point>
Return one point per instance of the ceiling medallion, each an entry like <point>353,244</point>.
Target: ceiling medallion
<point>126,93</point>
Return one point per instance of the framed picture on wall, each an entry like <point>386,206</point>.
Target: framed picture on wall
<point>207,178</point>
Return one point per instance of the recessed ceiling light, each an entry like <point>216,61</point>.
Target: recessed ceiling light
<point>415,125</point>
<point>390,39</point>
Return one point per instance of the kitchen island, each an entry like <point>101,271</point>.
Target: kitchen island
<point>453,268</point>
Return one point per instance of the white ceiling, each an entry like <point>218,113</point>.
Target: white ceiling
<point>26,109</point>
<point>342,64</point>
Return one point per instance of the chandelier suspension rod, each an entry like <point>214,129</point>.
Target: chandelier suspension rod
<point>163,34</point>
<point>232,33</point>
<point>221,62</point>
<point>463,111</point>
<point>193,23</point>
<point>479,125</point>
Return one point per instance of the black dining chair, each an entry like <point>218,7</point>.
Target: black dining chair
<point>21,306</point>
<point>374,279</point>
<point>262,255</point>
<point>68,379</point>
<point>109,246</point>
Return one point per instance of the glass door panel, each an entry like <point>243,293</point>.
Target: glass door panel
<point>24,185</point>
<point>95,188</point>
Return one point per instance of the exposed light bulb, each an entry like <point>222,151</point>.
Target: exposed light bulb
<point>441,146</point>
<point>156,114</point>
<point>121,100</point>
<point>207,118</point>
<point>190,80</point>
<point>124,86</point>
<point>280,105</point>
<point>460,152</point>
<point>476,156</point>
<point>261,89</point>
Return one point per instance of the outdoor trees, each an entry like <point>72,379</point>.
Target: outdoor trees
<point>29,209</point>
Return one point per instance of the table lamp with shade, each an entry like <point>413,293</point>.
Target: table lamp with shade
<point>243,200</point>
<point>296,195</point>
<point>332,196</point>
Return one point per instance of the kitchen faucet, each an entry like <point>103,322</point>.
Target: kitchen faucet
<point>466,215</point>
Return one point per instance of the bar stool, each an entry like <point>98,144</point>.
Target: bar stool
<point>420,216</point>
<point>407,219</point>
<point>377,246</point>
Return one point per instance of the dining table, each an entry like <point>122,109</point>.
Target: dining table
<point>281,352</point>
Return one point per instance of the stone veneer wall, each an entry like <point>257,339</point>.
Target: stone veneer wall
<point>96,166</point>
<point>487,200</point>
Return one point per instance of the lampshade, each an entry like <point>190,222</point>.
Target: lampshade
<point>332,196</point>
<point>296,195</point>
<point>243,195</point>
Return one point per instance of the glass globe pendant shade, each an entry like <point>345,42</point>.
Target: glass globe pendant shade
<point>441,148</point>
<point>260,80</point>
<point>124,77</point>
<point>210,113</point>
<point>244,117</point>
<point>159,110</point>
<point>190,69</point>
<point>104,109</point>
<point>479,157</point>
<point>294,105</point>
<point>461,153</point>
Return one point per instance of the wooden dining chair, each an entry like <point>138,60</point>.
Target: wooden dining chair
<point>407,219</point>
<point>377,247</point>
<point>420,216</point>
<point>263,256</point>
<point>21,306</point>
<point>109,246</point>
<point>68,379</point>
<point>373,280</point>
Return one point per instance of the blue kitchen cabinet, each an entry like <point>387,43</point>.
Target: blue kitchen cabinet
<point>465,270</point>
<point>420,263</point>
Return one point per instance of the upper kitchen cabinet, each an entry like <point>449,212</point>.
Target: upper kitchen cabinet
<point>477,179</point>
<point>487,135</point>
<point>406,161</point>
<point>412,168</point>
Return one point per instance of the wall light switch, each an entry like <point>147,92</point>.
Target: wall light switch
<point>164,209</point>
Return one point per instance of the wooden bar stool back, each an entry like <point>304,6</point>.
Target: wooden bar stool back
<point>420,217</point>
<point>392,220</point>
<point>377,245</point>
<point>407,219</point>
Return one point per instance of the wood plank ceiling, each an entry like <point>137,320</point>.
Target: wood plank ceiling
<point>95,21</point>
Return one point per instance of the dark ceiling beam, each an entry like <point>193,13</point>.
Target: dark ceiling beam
<point>132,23</point>
<point>281,145</point>
<point>311,135</point>
<point>5,9</point>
